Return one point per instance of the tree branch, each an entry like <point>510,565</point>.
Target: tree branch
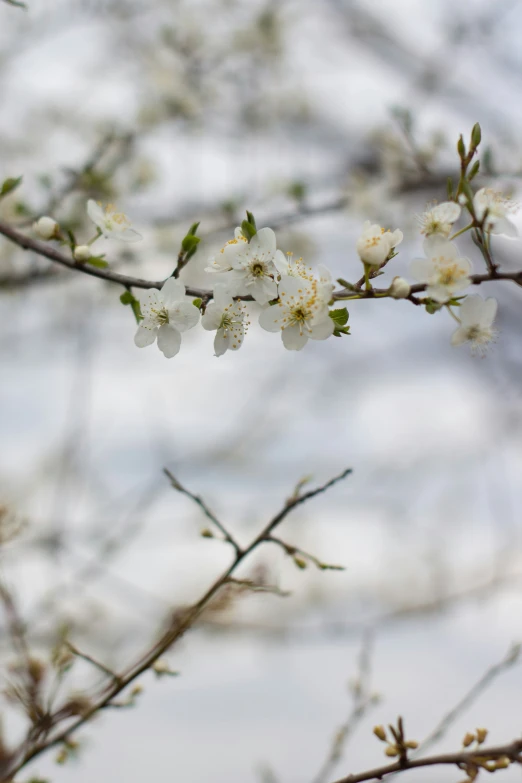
<point>180,624</point>
<point>52,254</point>
<point>460,759</point>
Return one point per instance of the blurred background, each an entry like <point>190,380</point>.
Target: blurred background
<point>316,116</point>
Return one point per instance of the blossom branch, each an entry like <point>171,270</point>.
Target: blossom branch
<point>462,759</point>
<point>181,622</point>
<point>52,254</point>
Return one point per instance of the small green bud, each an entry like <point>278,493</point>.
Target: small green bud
<point>461,147</point>
<point>206,533</point>
<point>474,170</point>
<point>476,136</point>
<point>190,243</point>
<point>300,562</point>
<point>9,185</point>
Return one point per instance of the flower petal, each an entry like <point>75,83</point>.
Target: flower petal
<point>323,329</point>
<point>447,212</point>
<point>293,340</point>
<point>144,336</point>
<point>263,242</point>
<point>172,291</point>
<point>96,213</point>
<point>183,316</point>
<point>211,319</point>
<point>169,341</point>
<point>270,319</point>
<point>221,342</point>
<point>459,336</point>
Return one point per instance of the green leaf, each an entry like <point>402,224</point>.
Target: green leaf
<point>128,298</point>
<point>16,3</point>
<point>297,190</point>
<point>192,230</point>
<point>251,219</point>
<point>339,330</point>
<point>98,261</point>
<point>190,243</point>
<point>9,185</point>
<point>197,302</point>
<point>340,316</point>
<point>249,230</point>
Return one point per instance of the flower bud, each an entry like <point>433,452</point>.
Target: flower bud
<point>47,228</point>
<point>392,750</point>
<point>468,739</point>
<point>503,762</point>
<point>412,744</point>
<point>481,735</point>
<point>82,253</point>
<point>380,733</point>
<point>400,288</point>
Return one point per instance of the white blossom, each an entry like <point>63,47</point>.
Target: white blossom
<point>498,208</point>
<point>443,270</point>
<point>439,219</point>
<point>476,322</point>
<point>253,269</point>
<point>400,288</point>
<point>82,253</point>
<point>165,315</point>
<point>47,228</point>
<point>301,314</point>
<point>221,262</point>
<point>375,243</point>
<point>112,224</point>
<point>227,317</point>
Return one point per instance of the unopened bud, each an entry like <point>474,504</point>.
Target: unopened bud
<point>481,735</point>
<point>412,744</point>
<point>161,667</point>
<point>380,733</point>
<point>47,228</point>
<point>468,739</point>
<point>79,705</point>
<point>392,750</point>
<point>503,762</point>
<point>300,563</point>
<point>82,253</point>
<point>400,288</point>
<point>36,669</point>
<point>462,199</point>
<point>206,533</point>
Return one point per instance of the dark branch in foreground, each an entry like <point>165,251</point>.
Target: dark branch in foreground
<point>45,250</point>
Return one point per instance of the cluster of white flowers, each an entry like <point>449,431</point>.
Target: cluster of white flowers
<point>296,302</point>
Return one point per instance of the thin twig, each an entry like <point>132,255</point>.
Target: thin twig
<point>362,701</point>
<point>462,758</point>
<point>203,506</point>
<point>510,659</point>
<point>181,622</point>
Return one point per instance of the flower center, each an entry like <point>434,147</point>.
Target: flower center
<point>112,217</point>
<point>450,273</point>
<point>258,269</point>
<point>160,316</point>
